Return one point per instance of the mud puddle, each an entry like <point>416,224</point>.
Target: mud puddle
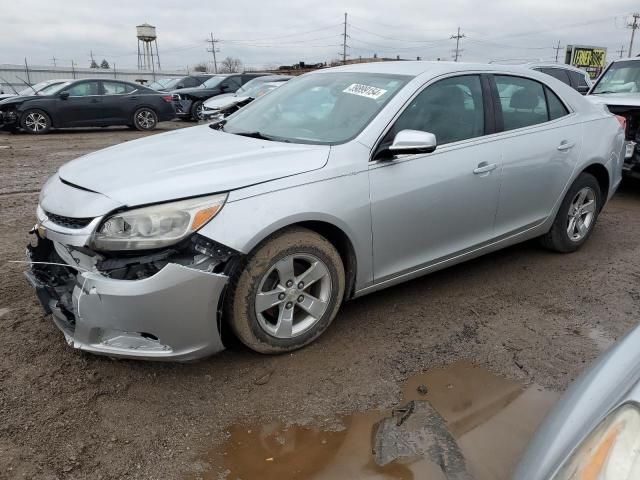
<point>454,423</point>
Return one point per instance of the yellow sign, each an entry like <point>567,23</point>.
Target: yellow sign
<point>589,57</point>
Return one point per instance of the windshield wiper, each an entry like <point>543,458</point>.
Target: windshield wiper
<point>28,85</point>
<point>255,134</point>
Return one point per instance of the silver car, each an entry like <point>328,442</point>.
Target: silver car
<point>594,430</point>
<point>337,184</point>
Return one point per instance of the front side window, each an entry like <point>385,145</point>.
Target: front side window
<point>231,84</point>
<point>320,108</point>
<point>84,89</point>
<point>522,102</point>
<point>117,88</point>
<point>451,109</point>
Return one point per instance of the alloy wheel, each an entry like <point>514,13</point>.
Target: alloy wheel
<point>293,295</point>
<point>582,213</point>
<point>35,122</point>
<point>146,119</point>
<point>199,110</point>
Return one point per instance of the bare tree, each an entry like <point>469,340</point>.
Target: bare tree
<point>200,67</point>
<point>230,65</point>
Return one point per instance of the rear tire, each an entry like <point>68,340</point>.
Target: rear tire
<point>145,119</point>
<point>35,122</point>
<point>196,111</point>
<point>287,294</point>
<point>576,217</point>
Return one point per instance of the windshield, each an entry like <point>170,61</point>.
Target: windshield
<point>41,88</point>
<point>322,108</point>
<point>251,84</point>
<point>620,77</point>
<point>163,83</point>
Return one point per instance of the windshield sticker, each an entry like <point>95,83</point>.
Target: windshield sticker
<point>365,91</point>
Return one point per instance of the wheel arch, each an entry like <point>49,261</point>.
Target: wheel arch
<point>337,236</point>
<point>600,172</point>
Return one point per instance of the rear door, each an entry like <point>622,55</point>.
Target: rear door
<point>118,102</point>
<point>83,107</point>
<point>541,142</point>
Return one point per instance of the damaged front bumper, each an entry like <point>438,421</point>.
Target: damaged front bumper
<point>170,315</point>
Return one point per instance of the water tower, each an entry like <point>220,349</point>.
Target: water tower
<point>146,41</point>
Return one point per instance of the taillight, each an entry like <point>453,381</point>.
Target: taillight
<point>622,121</point>
<point>167,98</point>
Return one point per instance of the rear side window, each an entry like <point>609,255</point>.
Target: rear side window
<point>190,82</point>
<point>556,107</point>
<point>117,88</point>
<point>558,73</point>
<point>522,102</point>
<point>578,80</point>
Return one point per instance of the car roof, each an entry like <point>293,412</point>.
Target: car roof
<point>416,68</point>
<point>563,66</point>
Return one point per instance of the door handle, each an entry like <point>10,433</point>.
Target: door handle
<point>133,98</point>
<point>564,146</point>
<point>485,167</point>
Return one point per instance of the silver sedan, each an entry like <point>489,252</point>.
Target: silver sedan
<point>339,183</point>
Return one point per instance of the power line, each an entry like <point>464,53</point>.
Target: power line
<point>457,37</point>
<point>283,36</point>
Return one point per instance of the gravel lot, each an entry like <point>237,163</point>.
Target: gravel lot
<point>524,313</point>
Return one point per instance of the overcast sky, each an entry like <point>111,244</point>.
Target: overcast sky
<point>274,32</point>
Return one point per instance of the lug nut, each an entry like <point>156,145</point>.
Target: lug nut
<point>300,298</point>
<point>289,305</point>
<point>289,283</point>
<point>300,285</point>
<point>281,296</point>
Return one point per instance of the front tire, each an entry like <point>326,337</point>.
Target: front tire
<point>288,293</point>
<point>576,216</point>
<point>145,119</point>
<point>35,122</point>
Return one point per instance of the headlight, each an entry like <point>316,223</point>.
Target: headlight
<point>158,225</point>
<point>610,452</point>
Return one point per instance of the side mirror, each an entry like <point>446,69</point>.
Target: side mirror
<point>411,142</point>
<point>64,95</point>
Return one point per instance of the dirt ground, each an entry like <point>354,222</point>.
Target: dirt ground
<point>523,313</point>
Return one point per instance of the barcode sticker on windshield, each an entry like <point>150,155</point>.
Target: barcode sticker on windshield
<point>365,91</point>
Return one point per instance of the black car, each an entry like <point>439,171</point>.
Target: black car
<point>188,101</point>
<point>177,83</point>
<point>87,103</point>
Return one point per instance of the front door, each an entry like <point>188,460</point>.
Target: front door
<point>83,106</point>
<point>427,208</point>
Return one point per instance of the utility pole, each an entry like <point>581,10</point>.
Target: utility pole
<point>73,69</point>
<point>457,37</point>
<point>633,26</point>
<point>621,51</point>
<point>26,69</point>
<point>92,60</point>
<point>557,49</point>
<point>54,60</point>
<point>344,41</point>
<point>213,42</point>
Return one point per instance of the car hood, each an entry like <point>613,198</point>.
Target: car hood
<point>617,99</point>
<point>16,100</point>
<point>220,102</point>
<point>188,162</point>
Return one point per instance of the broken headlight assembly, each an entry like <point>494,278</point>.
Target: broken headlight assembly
<point>610,452</point>
<point>156,226</point>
